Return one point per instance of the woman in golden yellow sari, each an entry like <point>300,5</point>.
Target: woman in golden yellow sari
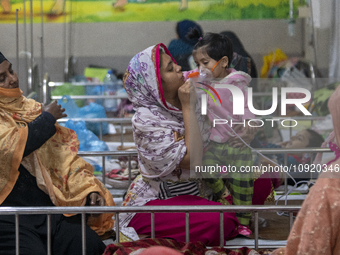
<point>39,166</point>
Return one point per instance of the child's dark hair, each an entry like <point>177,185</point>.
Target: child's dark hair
<point>315,139</point>
<point>217,45</point>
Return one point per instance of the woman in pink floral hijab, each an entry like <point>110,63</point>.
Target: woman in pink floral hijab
<point>317,227</point>
<point>163,126</point>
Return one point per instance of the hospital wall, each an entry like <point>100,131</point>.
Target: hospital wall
<point>114,44</point>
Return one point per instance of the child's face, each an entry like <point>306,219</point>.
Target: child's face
<point>202,60</point>
<point>300,140</point>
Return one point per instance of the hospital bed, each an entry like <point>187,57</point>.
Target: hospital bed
<point>256,243</point>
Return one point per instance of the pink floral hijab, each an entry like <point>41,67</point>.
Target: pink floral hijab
<point>155,121</point>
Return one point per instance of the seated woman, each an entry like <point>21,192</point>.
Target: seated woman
<point>168,140</point>
<point>316,229</point>
<point>40,167</point>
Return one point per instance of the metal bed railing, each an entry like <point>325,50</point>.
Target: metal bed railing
<point>312,119</point>
<point>293,151</point>
<point>47,84</point>
<point>17,211</point>
<point>154,209</point>
<point>120,121</point>
<point>104,154</point>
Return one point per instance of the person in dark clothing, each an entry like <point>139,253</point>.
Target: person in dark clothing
<point>39,167</point>
<point>242,59</point>
<point>181,48</point>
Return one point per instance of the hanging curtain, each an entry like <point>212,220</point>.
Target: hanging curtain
<point>334,64</point>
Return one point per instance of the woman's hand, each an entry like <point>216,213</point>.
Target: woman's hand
<point>187,94</point>
<point>192,134</point>
<point>96,199</point>
<point>54,109</point>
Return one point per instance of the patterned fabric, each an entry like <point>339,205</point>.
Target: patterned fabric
<point>59,172</point>
<point>239,184</point>
<point>168,190</point>
<point>321,97</point>
<point>191,248</point>
<point>155,120</point>
<point>155,124</point>
<point>221,153</point>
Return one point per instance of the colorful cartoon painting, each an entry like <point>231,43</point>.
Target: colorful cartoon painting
<point>146,10</point>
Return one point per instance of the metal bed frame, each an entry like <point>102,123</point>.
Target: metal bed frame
<point>152,209</point>
<point>122,121</point>
<point>103,154</point>
<point>17,211</point>
<point>49,210</point>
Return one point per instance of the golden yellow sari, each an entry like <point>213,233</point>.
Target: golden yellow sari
<point>59,172</point>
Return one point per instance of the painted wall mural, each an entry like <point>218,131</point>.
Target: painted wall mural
<point>85,11</point>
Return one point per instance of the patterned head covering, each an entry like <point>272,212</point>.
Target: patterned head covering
<point>59,171</point>
<point>157,125</point>
<point>155,121</point>
<point>2,58</point>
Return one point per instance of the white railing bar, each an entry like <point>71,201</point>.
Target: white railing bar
<point>49,239</point>
<point>152,225</point>
<point>81,83</point>
<point>117,227</point>
<point>103,170</point>
<point>286,180</point>
<point>256,230</point>
<point>106,153</point>
<point>17,251</point>
<point>129,121</point>
<point>290,221</point>
<point>121,134</point>
<point>142,209</point>
<point>187,233</point>
<point>263,151</point>
<point>83,233</point>
<point>282,150</point>
<point>90,97</point>
<point>113,120</point>
<point>221,229</point>
<point>101,131</point>
<point>129,169</point>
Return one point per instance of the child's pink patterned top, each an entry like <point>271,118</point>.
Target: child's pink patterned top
<point>221,132</point>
